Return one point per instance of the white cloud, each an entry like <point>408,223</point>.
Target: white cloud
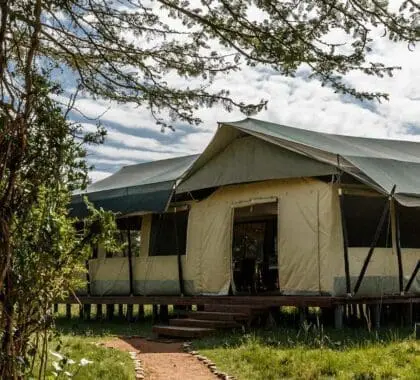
<point>129,154</point>
<point>143,143</point>
<point>292,101</point>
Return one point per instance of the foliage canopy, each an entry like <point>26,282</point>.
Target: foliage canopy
<point>135,51</point>
<point>131,50</point>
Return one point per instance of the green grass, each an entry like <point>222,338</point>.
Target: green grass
<point>79,339</point>
<point>289,354</point>
<point>279,353</point>
<point>106,363</point>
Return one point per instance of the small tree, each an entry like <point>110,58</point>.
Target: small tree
<point>48,251</point>
<point>125,51</point>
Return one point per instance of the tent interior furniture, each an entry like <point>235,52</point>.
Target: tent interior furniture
<point>254,249</point>
<point>281,215</point>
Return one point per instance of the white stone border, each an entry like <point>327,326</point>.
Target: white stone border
<point>138,367</point>
<point>207,362</point>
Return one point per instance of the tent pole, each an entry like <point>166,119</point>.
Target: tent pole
<point>398,245</point>
<point>87,277</point>
<point>374,241</point>
<point>412,277</point>
<point>345,242</point>
<point>178,254</point>
<point>130,263</point>
<point>94,256</point>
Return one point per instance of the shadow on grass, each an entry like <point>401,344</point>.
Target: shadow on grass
<point>103,328</point>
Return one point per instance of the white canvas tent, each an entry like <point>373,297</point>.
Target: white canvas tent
<point>253,162</point>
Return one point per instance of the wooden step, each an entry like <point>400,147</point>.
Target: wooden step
<point>182,331</point>
<point>243,309</point>
<point>190,322</point>
<point>218,316</point>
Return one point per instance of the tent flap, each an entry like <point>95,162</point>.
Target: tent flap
<point>146,187</point>
<point>146,198</point>
<point>388,172</point>
<point>383,163</point>
<point>249,159</point>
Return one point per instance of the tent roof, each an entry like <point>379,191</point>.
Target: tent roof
<point>148,187</point>
<point>380,163</point>
<point>407,151</point>
<point>135,188</point>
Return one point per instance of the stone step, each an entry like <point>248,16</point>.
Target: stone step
<point>218,316</point>
<point>182,331</point>
<point>190,322</point>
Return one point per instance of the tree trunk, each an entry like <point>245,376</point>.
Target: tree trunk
<point>8,368</point>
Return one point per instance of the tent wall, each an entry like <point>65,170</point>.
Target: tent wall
<point>309,246</point>
<point>381,277</point>
<point>152,275</point>
<point>109,276</point>
<point>308,233</point>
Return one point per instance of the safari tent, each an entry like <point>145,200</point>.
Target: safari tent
<point>265,209</point>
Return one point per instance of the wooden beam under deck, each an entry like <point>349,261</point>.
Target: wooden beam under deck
<point>279,300</point>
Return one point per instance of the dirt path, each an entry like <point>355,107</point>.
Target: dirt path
<point>163,360</point>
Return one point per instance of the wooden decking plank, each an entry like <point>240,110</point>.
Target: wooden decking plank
<point>218,316</point>
<point>182,332</point>
<point>255,300</point>
<point>190,322</point>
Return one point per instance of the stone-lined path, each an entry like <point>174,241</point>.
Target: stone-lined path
<point>163,360</point>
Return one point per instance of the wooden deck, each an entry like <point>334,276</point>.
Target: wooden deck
<point>257,300</point>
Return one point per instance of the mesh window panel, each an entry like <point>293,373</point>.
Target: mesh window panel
<point>409,220</point>
<point>169,234</point>
<point>362,215</point>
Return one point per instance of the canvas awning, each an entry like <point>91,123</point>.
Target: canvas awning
<point>250,159</point>
<point>380,163</point>
<point>146,187</point>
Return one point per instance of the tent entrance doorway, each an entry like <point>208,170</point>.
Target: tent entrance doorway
<point>254,249</point>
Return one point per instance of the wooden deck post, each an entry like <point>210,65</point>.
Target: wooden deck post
<point>129,314</point>
<point>110,312</point>
<point>338,316</point>
<point>68,310</point>
<point>408,314</point>
<point>81,312</point>
<point>120,311</point>
<point>327,316</point>
<point>99,314</point>
<point>164,314</point>
<point>376,316</point>
<point>155,313</point>
<point>140,314</point>
<point>303,314</point>
<point>86,312</point>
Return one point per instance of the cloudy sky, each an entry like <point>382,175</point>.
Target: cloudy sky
<point>134,137</point>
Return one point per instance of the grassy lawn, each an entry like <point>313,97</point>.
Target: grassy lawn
<point>105,363</point>
<point>279,353</point>
<point>79,340</point>
<point>292,354</point>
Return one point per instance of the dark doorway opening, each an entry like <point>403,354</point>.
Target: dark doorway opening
<point>254,249</point>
